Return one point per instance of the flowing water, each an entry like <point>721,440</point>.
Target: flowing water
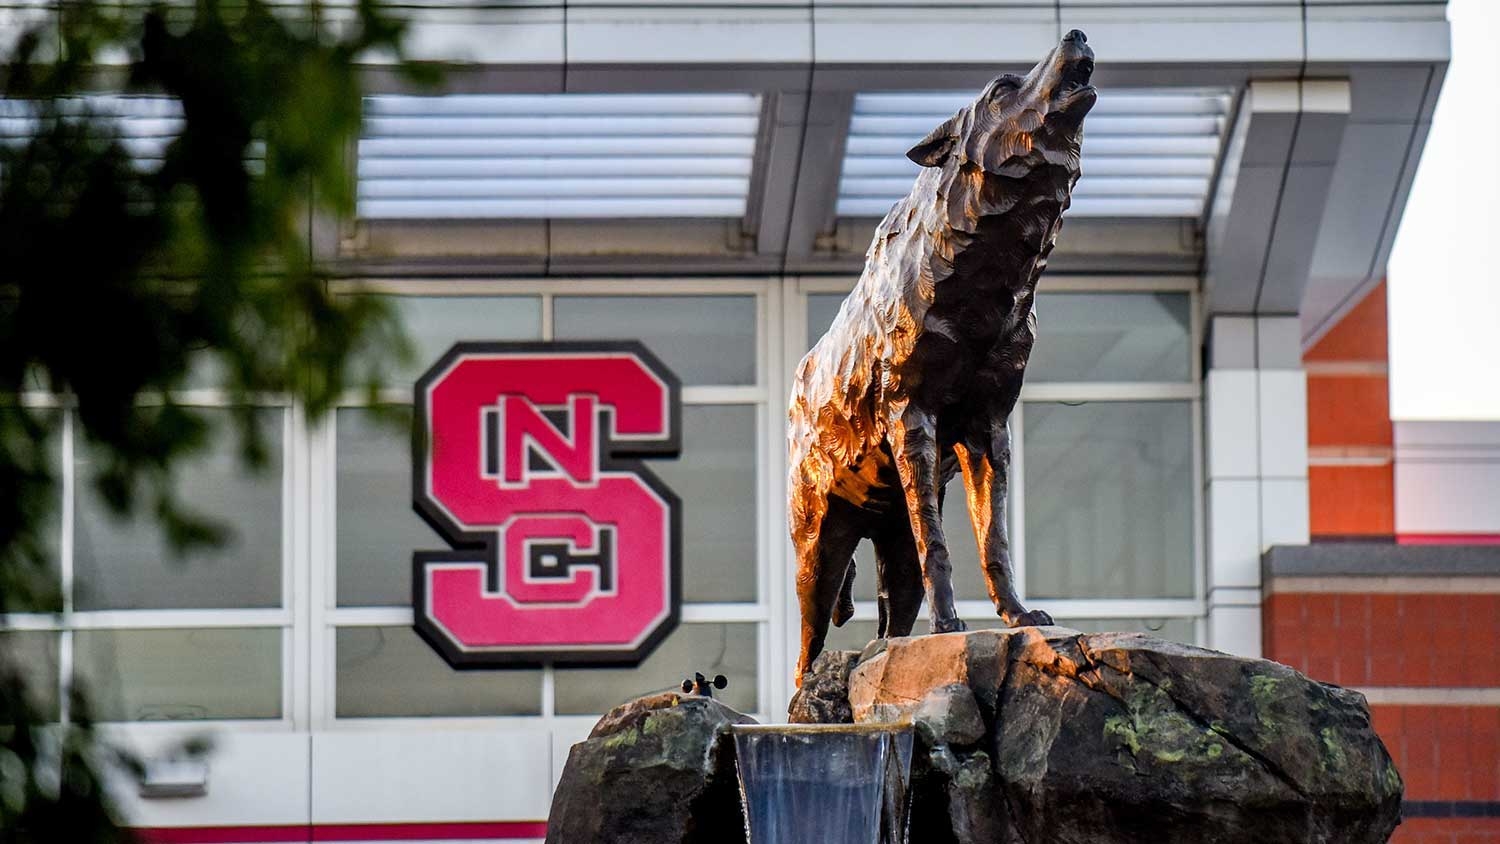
<point>826,783</point>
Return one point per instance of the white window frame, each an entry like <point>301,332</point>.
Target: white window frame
<point>1194,608</point>
<point>326,617</point>
<point>69,620</point>
<point>309,616</point>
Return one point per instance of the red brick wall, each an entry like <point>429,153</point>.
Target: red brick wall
<point>1361,335</point>
<point>1444,753</point>
<point>1448,831</point>
<point>1441,647</point>
<point>1351,478</point>
<point>1351,500</point>
<point>1435,646</point>
<point>1360,640</point>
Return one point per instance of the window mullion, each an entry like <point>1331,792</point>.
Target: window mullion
<point>65,552</point>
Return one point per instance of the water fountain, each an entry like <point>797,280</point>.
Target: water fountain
<point>1107,737</point>
<point>834,783</point>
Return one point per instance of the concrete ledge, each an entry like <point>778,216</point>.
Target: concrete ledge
<point>1361,559</point>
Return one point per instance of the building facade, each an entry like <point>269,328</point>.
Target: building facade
<point>704,178</point>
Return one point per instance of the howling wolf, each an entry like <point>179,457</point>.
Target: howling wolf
<point>918,373</point>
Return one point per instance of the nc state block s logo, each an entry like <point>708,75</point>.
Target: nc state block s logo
<point>566,549</point>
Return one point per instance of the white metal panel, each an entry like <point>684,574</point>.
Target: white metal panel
<point>939,33</point>
<point>1281,396</point>
<point>1389,32</point>
<point>557,155</point>
<point>1146,153</point>
<point>507,33</point>
<point>431,775</point>
<point>710,32</point>
<point>1233,435</point>
<point>1193,32</point>
<point>1233,532</point>
<point>1235,630</point>
<point>566,732</point>
<point>1285,512</point>
<point>1447,474</point>
<point>254,778</point>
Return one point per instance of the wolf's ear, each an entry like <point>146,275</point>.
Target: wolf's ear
<point>934,149</point>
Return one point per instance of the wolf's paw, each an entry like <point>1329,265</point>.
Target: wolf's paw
<point>1033,618</point>
<point>947,625</point>
<point>842,612</point>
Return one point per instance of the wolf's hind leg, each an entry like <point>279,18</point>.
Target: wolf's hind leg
<point>823,558</point>
<point>844,610</point>
<point>900,576</point>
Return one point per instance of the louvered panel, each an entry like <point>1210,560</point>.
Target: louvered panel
<point>557,156</point>
<point>144,125</point>
<point>1147,153</point>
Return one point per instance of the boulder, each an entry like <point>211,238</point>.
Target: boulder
<point>656,770</point>
<point>1114,737</point>
<point>949,715</point>
<point>824,695</point>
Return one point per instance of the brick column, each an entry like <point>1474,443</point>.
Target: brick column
<point>1349,433</point>
<point>1416,629</point>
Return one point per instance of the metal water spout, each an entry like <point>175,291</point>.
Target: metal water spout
<point>825,783</point>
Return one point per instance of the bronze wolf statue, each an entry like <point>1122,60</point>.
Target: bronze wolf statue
<point>917,375</point>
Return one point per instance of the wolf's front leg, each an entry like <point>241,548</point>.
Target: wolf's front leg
<point>984,457</point>
<point>914,445</point>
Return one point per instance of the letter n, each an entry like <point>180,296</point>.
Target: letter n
<point>524,428</point>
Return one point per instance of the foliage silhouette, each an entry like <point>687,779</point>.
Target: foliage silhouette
<point>120,277</point>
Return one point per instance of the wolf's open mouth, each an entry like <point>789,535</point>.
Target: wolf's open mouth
<point>1076,75</point>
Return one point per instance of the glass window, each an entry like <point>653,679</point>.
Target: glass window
<point>715,478</point>
<point>170,675</point>
<point>32,655</point>
<point>855,634</point>
<point>821,309</point>
<point>1086,336</point>
<point>434,323</point>
<point>49,528</point>
<point>377,528</point>
<point>709,649</point>
<point>1112,337</point>
<point>963,554</point>
<point>1109,500</point>
<point>391,672</point>
<point>704,339</point>
<point>37,579</point>
<point>127,563</point>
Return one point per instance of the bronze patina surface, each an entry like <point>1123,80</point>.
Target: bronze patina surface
<point>916,377</point>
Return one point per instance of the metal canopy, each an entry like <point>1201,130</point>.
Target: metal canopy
<point>144,125</point>
<point>510,156</point>
<point>1299,223</point>
<point>1147,153</point>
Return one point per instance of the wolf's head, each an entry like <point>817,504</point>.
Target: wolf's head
<point>1015,116</point>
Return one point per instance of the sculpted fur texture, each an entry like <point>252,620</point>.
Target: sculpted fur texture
<point>915,379</point>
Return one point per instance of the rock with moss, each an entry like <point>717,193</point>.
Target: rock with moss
<point>823,697</point>
<point>1101,738</point>
<point>656,770</point>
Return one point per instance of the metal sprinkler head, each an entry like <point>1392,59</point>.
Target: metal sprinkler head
<point>702,686</point>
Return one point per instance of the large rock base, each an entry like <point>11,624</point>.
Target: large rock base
<point>1050,735</point>
<point>657,770</point>
<point>1028,736</point>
